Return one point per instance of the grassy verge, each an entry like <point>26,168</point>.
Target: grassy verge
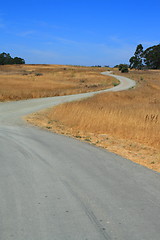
<point>127,123</point>
<point>35,81</point>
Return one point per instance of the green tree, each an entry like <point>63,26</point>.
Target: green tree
<point>18,60</point>
<point>152,57</point>
<point>124,69</point>
<point>121,66</point>
<point>5,58</point>
<point>137,61</point>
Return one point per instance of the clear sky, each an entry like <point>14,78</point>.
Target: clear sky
<point>85,32</point>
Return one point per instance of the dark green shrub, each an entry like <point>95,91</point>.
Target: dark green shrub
<point>124,69</point>
<point>120,66</point>
<point>38,74</point>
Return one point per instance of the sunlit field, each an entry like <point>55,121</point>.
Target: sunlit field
<point>35,81</point>
<point>127,122</point>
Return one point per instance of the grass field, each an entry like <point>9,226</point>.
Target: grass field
<point>127,122</point>
<point>34,81</point>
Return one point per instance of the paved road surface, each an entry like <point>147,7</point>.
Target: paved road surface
<point>56,188</point>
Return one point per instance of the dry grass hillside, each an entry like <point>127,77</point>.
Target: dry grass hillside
<point>127,123</point>
<point>34,81</point>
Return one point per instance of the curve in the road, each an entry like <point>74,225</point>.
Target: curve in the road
<point>11,112</point>
<point>56,188</point>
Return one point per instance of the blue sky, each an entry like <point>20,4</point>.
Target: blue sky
<point>78,32</point>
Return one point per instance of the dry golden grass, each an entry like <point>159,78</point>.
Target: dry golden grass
<point>127,122</point>
<point>34,81</point>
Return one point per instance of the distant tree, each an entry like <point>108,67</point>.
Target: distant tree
<point>18,60</point>
<point>137,61</point>
<point>124,69</point>
<point>152,57</point>
<point>120,66</point>
<point>116,66</point>
<point>5,58</point>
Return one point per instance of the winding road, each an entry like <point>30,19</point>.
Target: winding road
<point>57,188</point>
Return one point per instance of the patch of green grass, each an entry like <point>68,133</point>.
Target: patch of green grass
<point>115,84</point>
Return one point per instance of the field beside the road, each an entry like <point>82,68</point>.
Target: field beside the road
<point>127,123</point>
<point>19,82</point>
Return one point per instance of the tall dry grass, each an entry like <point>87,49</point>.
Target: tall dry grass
<point>35,81</point>
<point>132,114</point>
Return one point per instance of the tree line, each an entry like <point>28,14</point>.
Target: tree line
<point>5,58</point>
<point>149,59</point>
<point>143,59</point>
